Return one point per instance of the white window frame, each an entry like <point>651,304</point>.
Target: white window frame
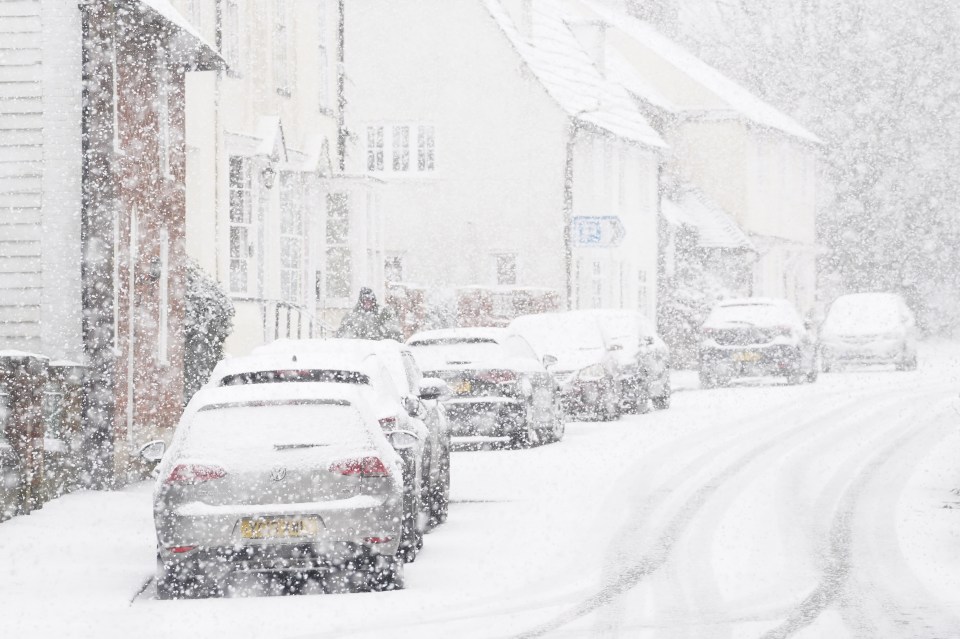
<point>397,152</point>
<point>248,222</point>
<point>344,244</point>
<point>291,240</point>
<point>499,274</point>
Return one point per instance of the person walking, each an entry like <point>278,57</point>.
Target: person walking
<point>368,321</point>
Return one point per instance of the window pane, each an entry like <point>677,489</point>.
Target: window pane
<point>401,148</point>
<point>425,150</point>
<point>507,269</point>
<point>238,242</point>
<point>338,218</point>
<point>338,272</point>
<point>375,148</point>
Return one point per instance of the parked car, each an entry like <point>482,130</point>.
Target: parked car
<point>750,337</point>
<point>642,356</point>
<point>869,328</point>
<point>418,394</point>
<point>11,478</point>
<point>500,386</point>
<point>280,478</point>
<point>572,348</point>
<point>392,412</point>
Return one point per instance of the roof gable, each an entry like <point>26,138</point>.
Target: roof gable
<point>719,94</point>
<point>559,63</point>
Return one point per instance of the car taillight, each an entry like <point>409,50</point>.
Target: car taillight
<point>388,423</point>
<point>497,376</point>
<point>363,466</point>
<point>194,473</point>
<point>179,550</point>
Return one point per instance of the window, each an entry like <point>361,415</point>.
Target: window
<point>230,47</point>
<point>281,60</point>
<point>597,285</point>
<point>397,142</point>
<point>642,289</point>
<point>242,228</point>
<point>339,274</point>
<point>507,269</point>
<point>291,240</point>
<point>425,148</point>
<point>401,148</point>
<point>375,148</point>
<point>393,268</point>
<point>163,319</point>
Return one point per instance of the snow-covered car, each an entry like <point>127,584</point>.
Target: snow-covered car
<point>284,478</point>
<point>393,413</point>
<point>755,337</point>
<point>572,348</point>
<point>869,328</point>
<point>419,395</point>
<point>500,388</point>
<point>642,356</point>
<point>11,478</point>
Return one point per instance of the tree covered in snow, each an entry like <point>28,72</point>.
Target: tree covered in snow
<point>208,323</point>
<point>878,83</point>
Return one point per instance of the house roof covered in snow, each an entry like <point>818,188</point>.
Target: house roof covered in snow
<point>715,227</point>
<point>192,43</point>
<point>567,72</point>
<point>730,99</point>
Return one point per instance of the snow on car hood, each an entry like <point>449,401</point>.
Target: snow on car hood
<point>570,361</point>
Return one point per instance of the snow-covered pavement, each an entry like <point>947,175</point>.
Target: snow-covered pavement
<point>761,510</point>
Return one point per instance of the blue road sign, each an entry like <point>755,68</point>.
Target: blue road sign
<point>604,231</point>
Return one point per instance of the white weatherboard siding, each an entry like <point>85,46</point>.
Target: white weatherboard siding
<point>40,164</point>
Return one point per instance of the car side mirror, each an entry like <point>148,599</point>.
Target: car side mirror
<point>809,324</point>
<point>549,360</point>
<point>648,340</point>
<point>403,439</point>
<point>152,452</point>
<point>433,388</point>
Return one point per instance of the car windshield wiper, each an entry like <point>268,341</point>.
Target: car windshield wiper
<point>297,446</point>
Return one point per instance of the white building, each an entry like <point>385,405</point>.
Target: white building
<point>494,127</point>
<point>270,212</point>
<point>748,160</point>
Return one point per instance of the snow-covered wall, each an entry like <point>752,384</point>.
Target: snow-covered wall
<point>40,167</point>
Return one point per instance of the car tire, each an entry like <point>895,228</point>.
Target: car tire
<point>826,366</point>
<point>610,410</point>
<point>411,537</point>
<point>663,401</point>
<point>385,573</point>
<point>813,374</point>
<point>707,381</point>
<point>183,584</point>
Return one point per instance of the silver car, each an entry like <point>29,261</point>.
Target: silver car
<point>278,478</point>
<point>869,328</point>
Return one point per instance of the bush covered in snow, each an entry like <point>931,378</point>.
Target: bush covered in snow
<point>208,322</point>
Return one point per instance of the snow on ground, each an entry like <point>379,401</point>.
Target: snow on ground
<point>725,516</point>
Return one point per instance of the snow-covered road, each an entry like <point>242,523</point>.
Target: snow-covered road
<point>757,511</point>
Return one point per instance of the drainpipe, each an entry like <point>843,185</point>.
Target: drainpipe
<point>341,91</point>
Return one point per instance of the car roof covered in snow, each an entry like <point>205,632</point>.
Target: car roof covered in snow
<point>307,391</point>
<point>482,333</point>
<point>337,346</point>
<point>286,361</point>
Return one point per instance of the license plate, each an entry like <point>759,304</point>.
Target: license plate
<point>463,387</point>
<point>746,357</point>
<point>279,527</point>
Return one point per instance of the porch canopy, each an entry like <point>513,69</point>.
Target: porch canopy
<point>715,227</point>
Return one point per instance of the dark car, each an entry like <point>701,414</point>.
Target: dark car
<point>643,357</point>
<point>11,478</point>
<point>755,337</point>
<point>500,387</point>
<point>582,363</point>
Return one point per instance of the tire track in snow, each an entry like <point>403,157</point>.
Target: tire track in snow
<point>652,560</point>
<point>834,584</point>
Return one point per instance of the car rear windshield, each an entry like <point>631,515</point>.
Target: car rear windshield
<point>749,315</point>
<point>863,313</point>
<point>437,353</point>
<point>236,429</point>
<point>310,375</point>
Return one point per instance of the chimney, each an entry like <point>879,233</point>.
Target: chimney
<point>592,36</point>
<point>521,13</point>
